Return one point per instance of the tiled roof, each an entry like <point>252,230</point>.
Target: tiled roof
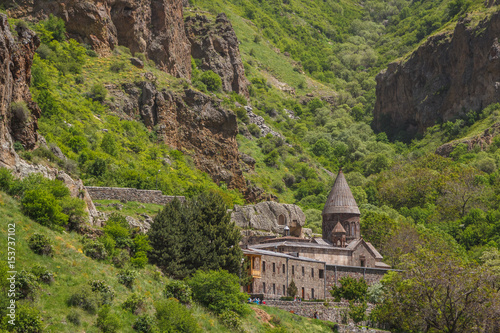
<point>340,199</point>
<point>338,229</point>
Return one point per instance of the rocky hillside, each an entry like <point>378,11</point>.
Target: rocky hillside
<point>449,75</point>
<point>18,113</point>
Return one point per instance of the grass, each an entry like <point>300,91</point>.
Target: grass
<point>72,270</point>
<point>131,208</point>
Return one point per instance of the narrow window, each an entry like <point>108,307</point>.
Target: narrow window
<point>303,271</point>
<point>263,266</point>
<point>274,288</point>
<point>284,290</point>
<point>312,293</point>
<point>312,272</point>
<point>293,269</point>
<point>283,268</point>
<point>362,263</point>
<point>321,274</point>
<point>264,287</point>
<point>274,267</point>
<point>303,293</point>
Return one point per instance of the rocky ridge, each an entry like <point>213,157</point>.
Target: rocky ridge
<point>447,76</point>
<point>18,112</point>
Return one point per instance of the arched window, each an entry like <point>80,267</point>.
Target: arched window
<point>353,229</point>
<point>281,219</point>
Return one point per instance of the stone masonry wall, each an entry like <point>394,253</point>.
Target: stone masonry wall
<point>130,194</point>
<point>335,273</point>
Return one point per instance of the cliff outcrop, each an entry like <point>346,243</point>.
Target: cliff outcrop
<point>447,76</point>
<point>189,121</point>
<point>18,112</point>
<point>217,46</point>
<point>152,27</point>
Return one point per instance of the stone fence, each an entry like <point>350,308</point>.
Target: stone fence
<point>130,194</point>
<point>335,312</point>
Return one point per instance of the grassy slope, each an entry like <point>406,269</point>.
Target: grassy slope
<point>72,269</point>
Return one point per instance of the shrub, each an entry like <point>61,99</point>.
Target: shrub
<point>242,115</point>
<point>350,289</point>
<point>135,303</point>
<point>40,244</point>
<point>42,274</point>
<point>26,285</point>
<point>74,208</point>
<point>42,206</point>
<point>107,321</point>
<point>254,130</point>
<point>95,250</point>
<point>212,80</point>
<point>28,319</point>
<point>117,66</point>
<point>145,324</point>
<point>140,259</point>
<point>6,179</point>
<point>121,258</point>
<point>86,299</point>
<point>232,321</point>
<point>74,318</point>
<point>20,111</point>
<point>357,312</point>
<point>219,291</point>
<point>98,92</point>
<point>127,277</point>
<point>174,317</point>
<point>106,292</point>
<point>292,289</point>
<point>178,290</point>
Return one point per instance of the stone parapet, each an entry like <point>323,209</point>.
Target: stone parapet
<point>130,194</point>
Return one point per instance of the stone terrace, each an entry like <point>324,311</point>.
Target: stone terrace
<point>130,194</point>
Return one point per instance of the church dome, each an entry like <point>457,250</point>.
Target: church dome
<point>340,200</point>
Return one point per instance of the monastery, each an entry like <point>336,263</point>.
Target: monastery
<point>318,263</point>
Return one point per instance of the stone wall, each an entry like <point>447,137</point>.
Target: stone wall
<point>130,194</point>
<point>334,312</point>
<point>335,273</point>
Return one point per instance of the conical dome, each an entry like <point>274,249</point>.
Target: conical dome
<point>340,199</point>
<point>339,229</point>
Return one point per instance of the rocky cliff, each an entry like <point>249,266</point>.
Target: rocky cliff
<point>450,74</point>
<point>18,113</point>
<point>189,121</point>
<point>217,46</point>
<point>152,27</point>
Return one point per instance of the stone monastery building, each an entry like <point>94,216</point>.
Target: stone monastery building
<point>318,263</point>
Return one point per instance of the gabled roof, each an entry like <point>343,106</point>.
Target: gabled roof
<point>339,229</point>
<point>340,199</point>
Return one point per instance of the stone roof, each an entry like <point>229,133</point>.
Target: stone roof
<point>339,229</point>
<point>340,199</point>
<point>252,250</point>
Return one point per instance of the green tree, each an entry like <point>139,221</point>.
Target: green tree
<point>292,289</point>
<point>350,289</point>
<point>212,80</point>
<point>108,144</point>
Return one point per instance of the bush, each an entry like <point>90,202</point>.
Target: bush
<point>6,179</point>
<point>135,303</point>
<point>74,208</point>
<point>174,317</point>
<point>86,299</point>
<point>42,206</point>
<point>106,292</point>
<point>117,66</point>
<point>254,130</point>
<point>357,312</point>
<point>20,112</point>
<point>98,92</point>
<point>145,324</point>
<point>74,318</point>
<point>107,321</point>
<point>26,286</point>
<point>232,321</point>
<point>127,277</point>
<point>219,291</point>
<point>350,289</point>
<point>121,258</point>
<point>28,319</point>
<point>95,250</point>
<point>178,290</point>
<point>140,260</point>
<point>40,244</point>
<point>212,80</point>
<point>42,274</point>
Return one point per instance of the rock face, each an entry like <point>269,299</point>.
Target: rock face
<point>216,44</point>
<point>483,141</point>
<point>444,78</point>
<point>190,121</point>
<point>152,27</point>
<point>16,123</point>
<point>270,216</point>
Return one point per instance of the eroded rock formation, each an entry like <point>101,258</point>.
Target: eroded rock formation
<point>152,27</point>
<point>18,112</point>
<point>217,46</point>
<point>190,121</point>
<point>447,76</point>
<point>270,216</point>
